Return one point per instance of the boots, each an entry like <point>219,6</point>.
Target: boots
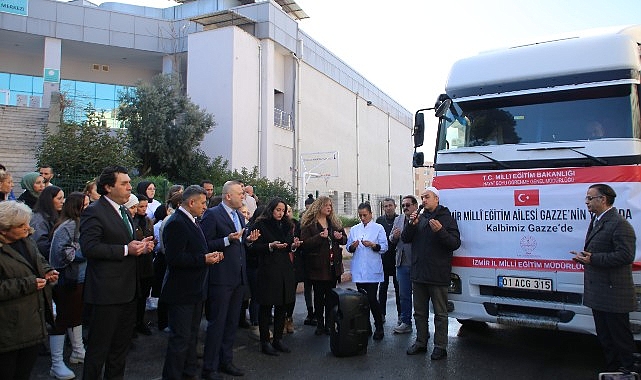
<point>58,368</point>
<point>289,326</point>
<point>78,348</point>
<point>311,319</point>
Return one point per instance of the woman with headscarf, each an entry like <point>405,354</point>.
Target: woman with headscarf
<point>66,257</point>
<point>276,281</point>
<point>25,296</point>
<point>45,215</point>
<point>148,189</point>
<point>323,234</point>
<point>33,184</point>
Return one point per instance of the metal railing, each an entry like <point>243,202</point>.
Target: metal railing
<point>283,119</point>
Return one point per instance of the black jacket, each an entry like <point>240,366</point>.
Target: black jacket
<point>276,281</point>
<point>432,251</point>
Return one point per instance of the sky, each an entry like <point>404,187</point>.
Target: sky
<point>405,48</point>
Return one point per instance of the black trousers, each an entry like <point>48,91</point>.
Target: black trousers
<point>110,330</point>
<point>321,295</point>
<point>615,336</point>
<point>382,294</point>
<point>371,288</point>
<point>264,314</point>
<point>17,364</point>
<point>181,359</point>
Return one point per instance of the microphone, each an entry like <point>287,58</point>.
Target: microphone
<point>418,212</point>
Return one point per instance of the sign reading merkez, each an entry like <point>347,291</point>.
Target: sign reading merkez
<point>16,7</point>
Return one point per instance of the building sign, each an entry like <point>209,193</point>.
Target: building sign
<point>16,7</point>
<point>51,75</point>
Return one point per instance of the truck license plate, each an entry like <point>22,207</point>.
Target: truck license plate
<point>544,284</point>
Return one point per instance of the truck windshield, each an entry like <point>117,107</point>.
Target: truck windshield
<point>583,114</point>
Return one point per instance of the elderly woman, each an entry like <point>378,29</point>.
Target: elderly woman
<point>33,184</point>
<point>323,234</point>
<point>67,258</point>
<point>6,184</point>
<point>25,296</point>
<point>276,281</point>
<point>45,215</point>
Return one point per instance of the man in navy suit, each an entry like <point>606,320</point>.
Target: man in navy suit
<point>111,282</point>
<point>223,226</point>
<point>184,287</point>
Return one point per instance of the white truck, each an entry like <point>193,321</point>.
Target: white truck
<point>522,134</point>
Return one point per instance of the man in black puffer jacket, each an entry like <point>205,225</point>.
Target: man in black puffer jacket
<point>434,236</point>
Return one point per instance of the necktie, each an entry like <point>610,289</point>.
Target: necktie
<point>234,217</point>
<point>200,231</point>
<point>125,220</point>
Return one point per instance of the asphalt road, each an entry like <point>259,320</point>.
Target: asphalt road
<point>477,352</point>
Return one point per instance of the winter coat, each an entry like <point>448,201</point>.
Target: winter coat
<point>608,284</point>
<point>276,280</point>
<point>65,251</point>
<point>24,310</point>
<point>316,252</point>
<point>432,251</point>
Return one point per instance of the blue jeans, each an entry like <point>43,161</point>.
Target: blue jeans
<point>405,293</point>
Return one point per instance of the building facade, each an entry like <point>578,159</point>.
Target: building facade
<point>281,101</point>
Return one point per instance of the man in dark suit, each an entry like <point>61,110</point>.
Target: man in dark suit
<point>607,257</point>
<point>111,282</point>
<point>223,227</point>
<point>184,287</point>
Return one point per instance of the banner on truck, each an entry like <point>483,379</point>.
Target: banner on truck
<point>532,219</point>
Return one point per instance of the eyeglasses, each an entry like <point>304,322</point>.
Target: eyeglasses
<point>589,198</point>
<point>406,205</point>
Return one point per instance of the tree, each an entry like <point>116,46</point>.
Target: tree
<point>79,151</point>
<point>265,188</point>
<point>165,127</point>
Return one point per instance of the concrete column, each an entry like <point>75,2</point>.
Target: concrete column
<point>168,64</point>
<point>52,59</point>
<point>266,107</point>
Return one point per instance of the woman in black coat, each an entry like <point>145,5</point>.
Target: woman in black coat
<point>276,280</point>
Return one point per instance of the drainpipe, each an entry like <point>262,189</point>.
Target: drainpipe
<point>358,153</point>
<point>260,103</point>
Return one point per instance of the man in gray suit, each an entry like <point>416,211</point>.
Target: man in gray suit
<point>608,287</point>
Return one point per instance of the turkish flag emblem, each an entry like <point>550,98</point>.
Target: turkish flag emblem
<point>526,197</point>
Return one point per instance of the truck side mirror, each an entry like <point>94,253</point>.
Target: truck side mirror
<point>419,129</point>
<point>418,160</point>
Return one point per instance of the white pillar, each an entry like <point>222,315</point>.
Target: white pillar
<point>52,59</point>
<point>168,64</point>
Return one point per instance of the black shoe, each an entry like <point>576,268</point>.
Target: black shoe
<point>415,349</point>
<point>320,330</point>
<point>243,324</point>
<point>143,329</point>
<point>279,346</point>
<point>309,321</point>
<point>231,369</point>
<point>211,376</point>
<point>267,349</point>
<point>378,334</point>
<point>438,354</point>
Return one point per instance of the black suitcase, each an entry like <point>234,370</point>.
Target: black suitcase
<point>349,325</point>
